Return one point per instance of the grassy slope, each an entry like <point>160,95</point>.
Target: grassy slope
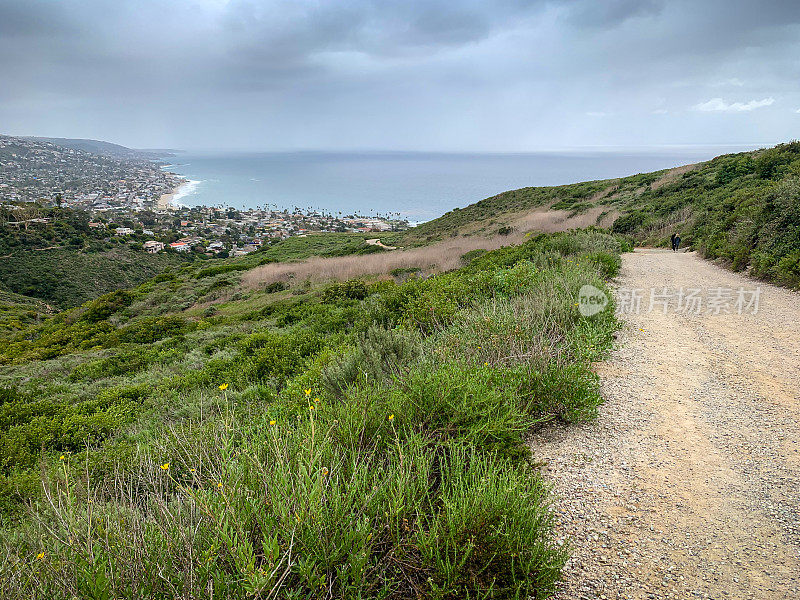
<point>743,209</point>
<point>411,457</point>
<point>63,277</point>
<point>396,408</point>
<point>18,312</point>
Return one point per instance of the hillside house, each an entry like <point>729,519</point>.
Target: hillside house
<point>153,246</point>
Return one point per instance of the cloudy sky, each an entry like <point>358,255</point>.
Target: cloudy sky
<point>469,75</point>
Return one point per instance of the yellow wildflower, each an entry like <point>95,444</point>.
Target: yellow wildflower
<point>391,417</point>
<point>325,470</point>
<point>308,392</point>
<point>486,364</point>
<point>219,485</point>
<point>40,556</point>
<point>165,466</point>
<point>310,407</point>
<point>62,457</point>
<point>272,422</point>
<point>192,470</point>
<point>316,399</point>
<point>224,386</point>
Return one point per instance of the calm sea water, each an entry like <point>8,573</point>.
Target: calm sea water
<point>415,186</point>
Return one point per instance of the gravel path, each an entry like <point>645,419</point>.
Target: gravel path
<point>688,483</point>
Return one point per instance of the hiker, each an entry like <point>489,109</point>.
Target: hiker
<point>676,242</point>
<point>672,242</point>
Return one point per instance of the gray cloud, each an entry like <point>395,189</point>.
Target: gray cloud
<point>436,74</point>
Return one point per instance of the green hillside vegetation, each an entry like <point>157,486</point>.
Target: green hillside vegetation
<point>490,215</point>
<point>741,209</point>
<point>18,312</point>
<point>360,439</point>
<point>327,244</point>
<point>66,277</point>
<point>63,262</point>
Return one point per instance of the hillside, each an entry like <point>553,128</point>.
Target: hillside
<point>33,170</point>
<point>743,209</point>
<point>67,277</point>
<point>18,311</point>
<point>104,148</point>
<point>326,413</point>
<point>364,435</point>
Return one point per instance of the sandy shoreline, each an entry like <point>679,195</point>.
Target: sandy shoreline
<point>165,200</point>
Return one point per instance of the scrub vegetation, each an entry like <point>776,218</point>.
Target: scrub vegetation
<point>196,437</point>
<point>740,209</point>
<point>309,422</point>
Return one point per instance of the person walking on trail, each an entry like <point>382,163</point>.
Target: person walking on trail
<point>677,242</point>
<point>672,242</point>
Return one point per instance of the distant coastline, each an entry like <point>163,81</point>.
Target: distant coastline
<point>416,187</point>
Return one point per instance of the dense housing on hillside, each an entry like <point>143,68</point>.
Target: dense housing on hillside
<point>129,195</point>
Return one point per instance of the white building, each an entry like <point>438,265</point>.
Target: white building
<point>153,246</point>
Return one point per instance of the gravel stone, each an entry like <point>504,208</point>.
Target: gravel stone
<point>688,483</point>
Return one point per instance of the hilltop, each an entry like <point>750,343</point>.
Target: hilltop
<point>742,209</point>
<point>105,148</point>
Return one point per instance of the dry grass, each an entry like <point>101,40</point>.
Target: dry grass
<point>441,256</point>
<point>550,221</point>
<point>672,175</point>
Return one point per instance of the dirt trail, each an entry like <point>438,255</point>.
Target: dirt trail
<point>688,483</point>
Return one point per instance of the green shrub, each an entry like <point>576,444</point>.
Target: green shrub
<point>379,354</point>
<point>353,289</point>
<point>124,363</point>
<point>276,286</point>
<point>487,540</point>
<point>607,264</point>
<point>106,305</point>
<point>151,329</point>
<point>272,357</point>
<point>371,435</point>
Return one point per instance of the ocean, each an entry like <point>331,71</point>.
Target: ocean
<point>417,186</point>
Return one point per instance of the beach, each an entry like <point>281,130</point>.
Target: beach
<point>165,201</point>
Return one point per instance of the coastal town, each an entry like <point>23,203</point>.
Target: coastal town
<point>34,170</point>
<point>131,198</point>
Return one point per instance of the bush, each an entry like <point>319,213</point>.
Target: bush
<point>379,354</point>
<point>353,289</point>
<point>371,435</point>
<point>151,329</point>
<point>487,540</point>
<point>275,286</point>
<point>106,305</point>
<point>273,357</point>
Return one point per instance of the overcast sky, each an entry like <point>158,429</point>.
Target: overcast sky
<point>472,75</point>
